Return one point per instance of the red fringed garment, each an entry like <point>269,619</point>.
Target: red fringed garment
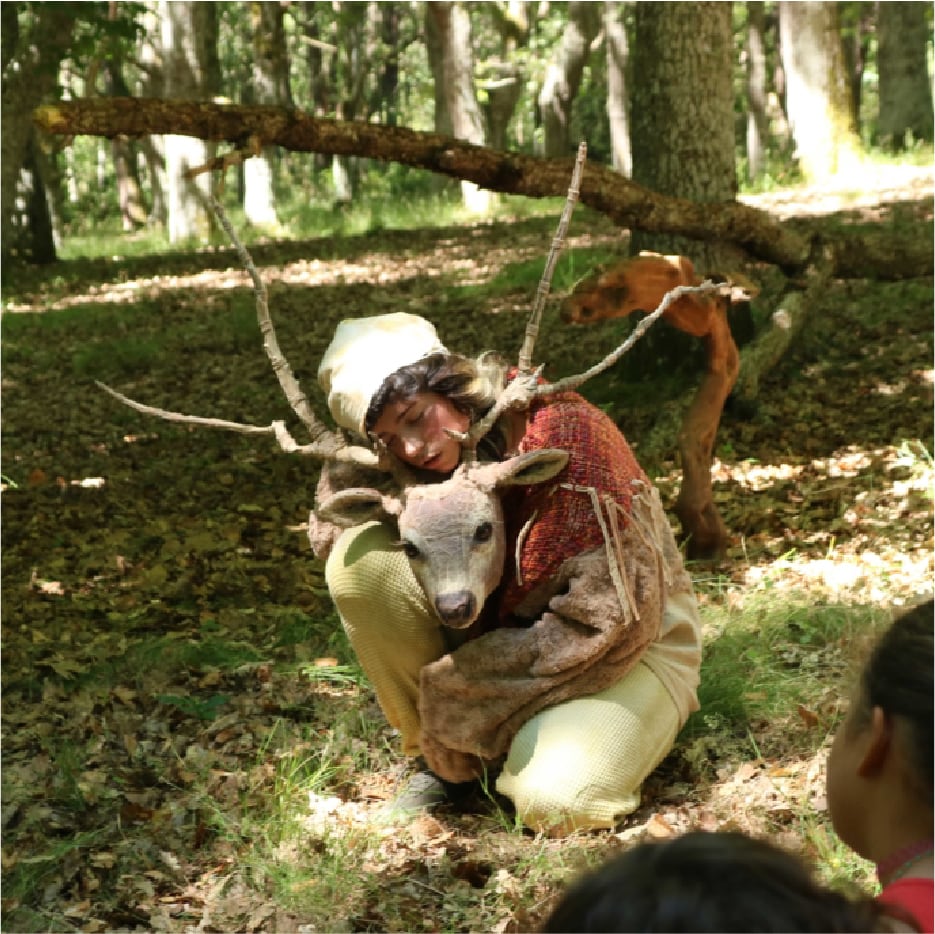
<point>565,524</point>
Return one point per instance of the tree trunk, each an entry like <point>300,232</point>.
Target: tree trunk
<point>30,71</point>
<point>434,47</point>
<point>35,238</point>
<point>683,145</point>
<point>453,27</point>
<point>818,100</point>
<point>357,31</point>
<point>618,115</point>
<point>889,254</point>
<point>855,42</point>
<point>152,147</point>
<point>387,88</point>
<point>563,77</point>
<point>683,115</point>
<point>905,91</point>
<point>504,76</point>
<point>757,119</point>
<point>317,55</point>
<point>270,86</point>
<point>129,192</point>
<point>183,56</point>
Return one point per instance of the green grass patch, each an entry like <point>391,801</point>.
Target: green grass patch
<point>760,663</point>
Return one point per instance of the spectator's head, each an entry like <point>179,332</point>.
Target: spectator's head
<point>884,746</point>
<point>708,882</point>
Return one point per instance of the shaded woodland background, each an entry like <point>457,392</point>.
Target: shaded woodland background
<point>188,743</point>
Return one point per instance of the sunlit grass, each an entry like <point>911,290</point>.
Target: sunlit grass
<point>303,219</point>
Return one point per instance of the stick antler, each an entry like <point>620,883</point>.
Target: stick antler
<point>545,283</point>
<point>325,444</point>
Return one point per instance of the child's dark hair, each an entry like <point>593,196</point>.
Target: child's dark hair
<point>898,678</point>
<point>709,882</point>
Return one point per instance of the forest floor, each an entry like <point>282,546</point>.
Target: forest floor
<point>187,742</point>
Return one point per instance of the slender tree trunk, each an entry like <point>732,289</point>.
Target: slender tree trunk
<point>757,119</point>
<point>905,85</point>
<point>152,148</point>
<point>434,47</point>
<point>124,151</point>
<point>504,84</point>
<point>453,26</point>
<point>270,86</point>
<point>30,70</point>
<point>182,53</point>
<point>563,77</point>
<point>855,42</point>
<point>818,100</point>
<point>618,105</point>
<point>386,102</point>
<point>357,31</point>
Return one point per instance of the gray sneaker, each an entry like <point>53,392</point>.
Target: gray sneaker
<point>423,792</point>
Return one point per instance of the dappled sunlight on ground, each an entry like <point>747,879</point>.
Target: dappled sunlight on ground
<point>449,258</point>
<point>865,192</point>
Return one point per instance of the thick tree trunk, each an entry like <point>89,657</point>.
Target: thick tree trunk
<point>618,108</point>
<point>628,204</point>
<point>683,115</point>
<point>818,100</point>
<point>563,77</point>
<point>905,91</point>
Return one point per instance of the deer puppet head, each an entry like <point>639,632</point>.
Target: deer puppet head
<point>452,532</point>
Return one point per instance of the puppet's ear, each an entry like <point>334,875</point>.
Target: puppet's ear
<point>355,506</point>
<point>527,469</point>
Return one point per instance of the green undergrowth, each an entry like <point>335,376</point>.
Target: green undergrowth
<point>760,664</point>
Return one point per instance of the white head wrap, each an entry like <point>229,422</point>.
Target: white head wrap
<point>363,353</point>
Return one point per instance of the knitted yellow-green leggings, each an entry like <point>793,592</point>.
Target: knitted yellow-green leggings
<point>577,765</point>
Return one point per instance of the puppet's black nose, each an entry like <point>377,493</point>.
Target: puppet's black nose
<point>456,609</point>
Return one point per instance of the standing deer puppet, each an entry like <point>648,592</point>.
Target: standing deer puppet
<point>528,616</point>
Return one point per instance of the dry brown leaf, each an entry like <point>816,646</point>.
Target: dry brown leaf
<point>657,826</point>
<point>809,718</point>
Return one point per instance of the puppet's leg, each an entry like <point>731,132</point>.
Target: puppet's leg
<point>579,765</point>
<point>387,619</point>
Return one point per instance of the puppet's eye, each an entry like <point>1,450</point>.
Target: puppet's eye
<point>483,532</point>
<point>410,550</point>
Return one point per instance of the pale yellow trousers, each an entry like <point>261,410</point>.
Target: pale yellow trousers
<point>576,766</point>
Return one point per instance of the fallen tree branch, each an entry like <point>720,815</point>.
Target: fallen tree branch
<point>607,191</point>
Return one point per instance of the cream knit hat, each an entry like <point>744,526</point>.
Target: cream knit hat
<point>363,353</point>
